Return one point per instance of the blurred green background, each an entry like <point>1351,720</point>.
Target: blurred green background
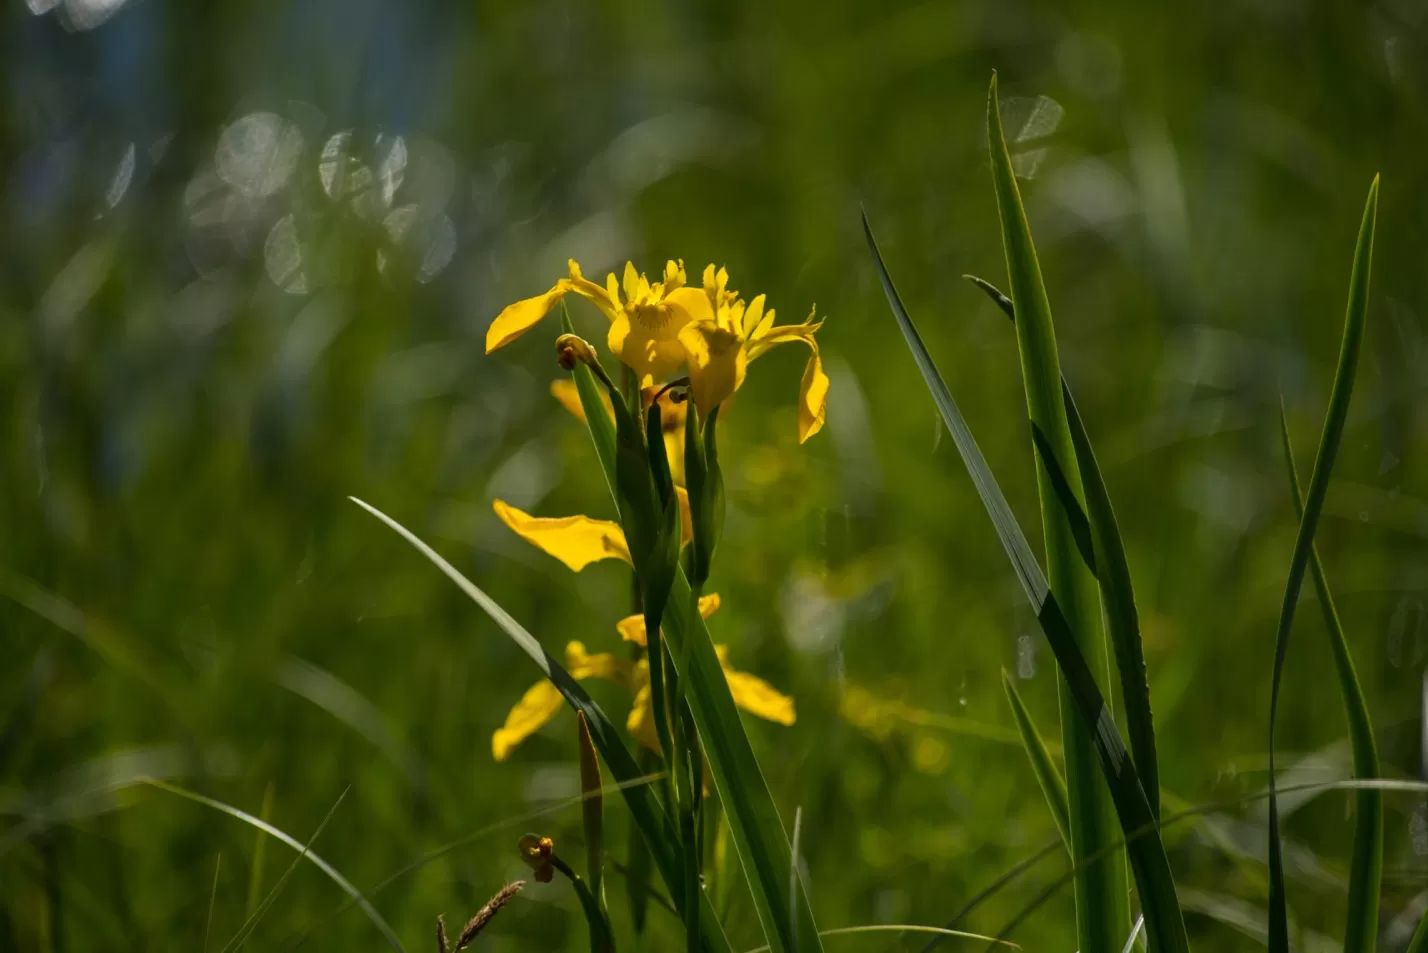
<point>248,253</point>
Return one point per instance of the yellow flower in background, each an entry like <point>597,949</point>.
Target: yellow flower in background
<point>720,346</point>
<point>632,627</point>
<point>543,701</point>
<point>645,317</point>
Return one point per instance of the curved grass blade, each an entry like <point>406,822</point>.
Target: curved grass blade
<point>1102,907</point>
<point>651,818</point>
<point>754,824</point>
<point>992,889</point>
<point>1047,776</point>
<point>1366,866</point>
<point>1303,544</point>
<point>1112,570</point>
<point>296,845</point>
<point>251,924</point>
<point>1164,925</point>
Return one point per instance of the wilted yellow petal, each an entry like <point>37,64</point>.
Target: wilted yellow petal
<point>541,702</point>
<point>582,664</point>
<point>758,697</point>
<point>632,627</point>
<point>576,541</point>
<point>518,318</point>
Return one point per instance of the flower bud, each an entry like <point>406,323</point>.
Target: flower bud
<point>537,851</point>
<point>572,349</point>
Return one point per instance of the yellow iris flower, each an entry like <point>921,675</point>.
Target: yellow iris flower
<point>543,701</point>
<point>579,541</point>
<point>645,320</point>
<point>727,334</point>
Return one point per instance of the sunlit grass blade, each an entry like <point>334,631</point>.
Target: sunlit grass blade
<point>1112,570</point>
<point>296,845</point>
<point>1102,909</point>
<point>1164,925</point>
<point>754,824</point>
<point>251,924</point>
<point>1053,786</point>
<point>1333,433</point>
<point>648,814</point>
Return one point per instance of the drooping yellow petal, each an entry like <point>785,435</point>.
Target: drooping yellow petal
<point>576,541</point>
<point>581,664</point>
<point>541,702</point>
<point>686,515</point>
<point>758,697</point>
<point>812,397</point>
<point>516,319</point>
<point>717,364</point>
<point>813,389</point>
<point>632,627</point>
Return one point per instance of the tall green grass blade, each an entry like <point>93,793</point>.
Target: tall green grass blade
<point>1366,866</point>
<point>758,833</point>
<point>1112,570</point>
<point>648,814</point>
<point>1164,925</point>
<point>296,845</point>
<point>1047,776</point>
<point>251,924</point>
<point>1334,420</point>
<point>1102,908</point>
<point>597,418</point>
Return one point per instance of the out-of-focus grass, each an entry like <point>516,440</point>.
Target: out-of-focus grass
<point>183,417</point>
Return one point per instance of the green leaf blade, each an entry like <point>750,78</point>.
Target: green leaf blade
<point>1102,909</point>
<point>1164,925</point>
<point>1333,432</point>
<point>1366,863</point>
<point>1053,786</point>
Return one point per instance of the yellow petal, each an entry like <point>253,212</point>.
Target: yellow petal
<point>686,515</point>
<point>541,702</point>
<point>632,627</point>
<point>576,541</point>
<point>582,664</point>
<point>758,697</point>
<point>640,724</point>
<point>606,299</point>
<point>520,317</point>
<point>812,397</point>
<point>568,394</point>
<point>753,317</point>
<point>717,364</point>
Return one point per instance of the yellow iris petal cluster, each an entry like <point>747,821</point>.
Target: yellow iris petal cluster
<point>660,328</point>
<point>579,541</point>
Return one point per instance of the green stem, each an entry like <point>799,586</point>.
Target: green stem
<point>601,936</point>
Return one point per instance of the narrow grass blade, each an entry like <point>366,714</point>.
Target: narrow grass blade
<point>592,810</point>
<point>1102,907</point>
<point>1112,570</point>
<point>1366,866</point>
<point>941,932</point>
<point>1134,934</point>
<point>251,924</point>
<point>597,418</point>
<point>651,818</point>
<point>1164,925</point>
<point>1047,776</point>
<point>260,852</point>
<point>1303,544</point>
<point>212,902</point>
<point>296,845</point>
